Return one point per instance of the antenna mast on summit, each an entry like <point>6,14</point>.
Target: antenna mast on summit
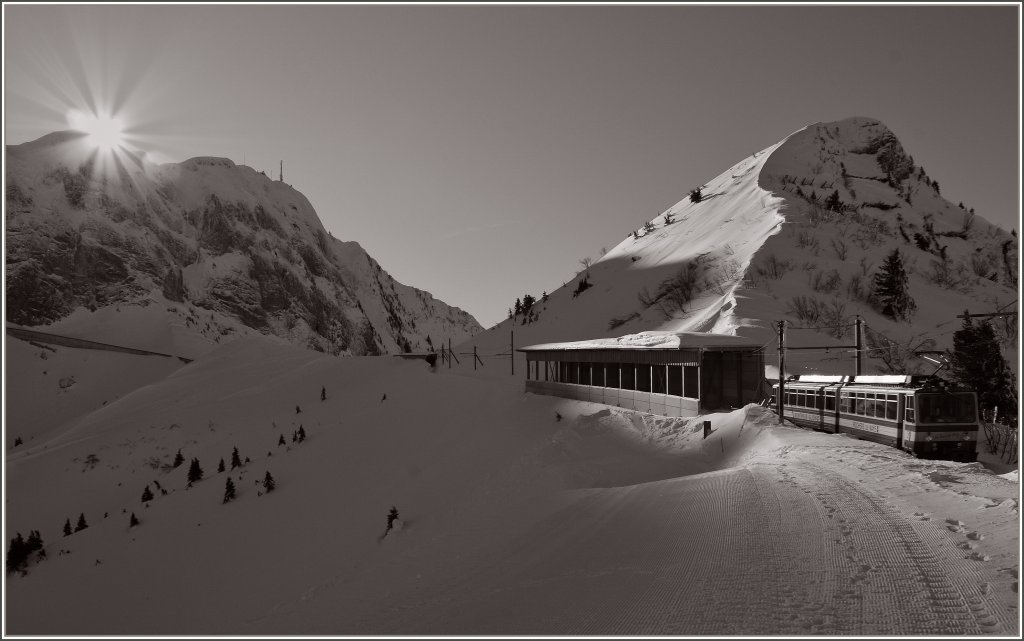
<point>280,176</point>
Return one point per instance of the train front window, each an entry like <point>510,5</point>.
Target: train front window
<point>946,408</point>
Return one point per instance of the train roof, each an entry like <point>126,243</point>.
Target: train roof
<point>873,380</point>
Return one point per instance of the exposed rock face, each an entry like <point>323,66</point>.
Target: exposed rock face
<point>207,233</point>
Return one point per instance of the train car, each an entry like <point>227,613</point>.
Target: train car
<point>811,401</point>
<point>918,414</point>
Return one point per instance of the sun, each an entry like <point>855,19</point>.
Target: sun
<point>103,132</point>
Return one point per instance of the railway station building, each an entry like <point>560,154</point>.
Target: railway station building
<point>664,373</point>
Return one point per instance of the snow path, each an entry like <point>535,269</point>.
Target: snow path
<point>784,546</point>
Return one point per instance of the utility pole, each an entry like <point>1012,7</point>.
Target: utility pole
<point>280,176</point>
<point>859,350</point>
<point>449,353</point>
<point>512,350</point>
<point>782,370</point>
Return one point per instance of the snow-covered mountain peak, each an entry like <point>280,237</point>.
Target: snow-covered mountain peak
<point>795,232</point>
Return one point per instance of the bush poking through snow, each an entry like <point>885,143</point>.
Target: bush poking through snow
<point>773,267</point>
<point>696,195</point>
<point>133,521</point>
<point>392,517</point>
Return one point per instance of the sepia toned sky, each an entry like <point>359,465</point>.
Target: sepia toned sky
<point>479,152</point>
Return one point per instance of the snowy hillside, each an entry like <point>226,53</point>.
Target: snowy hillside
<point>765,243</point>
<point>218,250</point>
<point>518,514</point>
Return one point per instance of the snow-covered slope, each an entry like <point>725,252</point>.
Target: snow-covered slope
<point>217,249</point>
<point>512,520</point>
<point>762,245</point>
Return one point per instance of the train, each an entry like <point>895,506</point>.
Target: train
<point>921,415</point>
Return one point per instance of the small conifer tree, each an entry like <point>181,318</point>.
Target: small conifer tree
<point>220,466</point>
<point>195,473</point>
<point>81,523</point>
<point>178,459</point>
<point>236,461</point>
<point>147,495</point>
<point>392,515</point>
<point>133,521</point>
<point>302,434</point>
<point>268,482</point>
<point>281,441</point>
<point>892,288</point>
<point>229,491</point>
<point>67,527</point>
<point>696,195</point>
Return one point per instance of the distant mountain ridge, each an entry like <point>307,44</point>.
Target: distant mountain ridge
<point>224,249</point>
<point>795,232</point>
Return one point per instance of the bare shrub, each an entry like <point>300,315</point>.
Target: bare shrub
<point>807,240</point>
<point>826,282</point>
<point>896,354</point>
<point>773,267</point>
<point>865,266</point>
<point>834,317</point>
<point>981,264</point>
<point>619,321</point>
<point>676,291</point>
<point>857,289</point>
<point>806,308</point>
<point>945,274</point>
<point>727,273</point>
<point>839,247</point>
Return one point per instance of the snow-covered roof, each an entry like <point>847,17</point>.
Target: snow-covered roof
<point>650,340</point>
<point>820,378</point>
<point>882,379</point>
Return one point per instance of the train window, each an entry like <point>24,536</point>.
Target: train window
<point>844,402</point>
<point>890,408</point>
<point>909,410</point>
<point>947,407</point>
<point>858,404</point>
<point>563,372</point>
<point>584,374</point>
<point>869,404</point>
<point>597,375</point>
<point>830,401</point>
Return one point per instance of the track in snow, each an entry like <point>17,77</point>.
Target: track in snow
<point>782,546</point>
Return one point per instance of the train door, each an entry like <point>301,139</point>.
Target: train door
<point>900,402</point>
<point>908,422</point>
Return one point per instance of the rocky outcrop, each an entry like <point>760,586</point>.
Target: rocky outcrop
<point>207,232</point>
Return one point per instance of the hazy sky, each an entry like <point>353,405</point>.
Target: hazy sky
<point>479,152</point>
